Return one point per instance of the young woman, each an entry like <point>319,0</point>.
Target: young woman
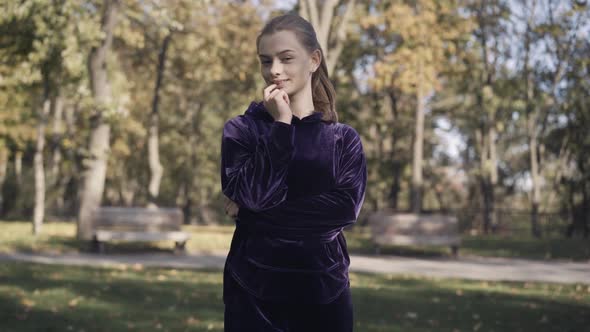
<point>294,177</point>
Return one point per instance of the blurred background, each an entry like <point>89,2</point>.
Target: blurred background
<point>475,107</point>
<point>470,108</point>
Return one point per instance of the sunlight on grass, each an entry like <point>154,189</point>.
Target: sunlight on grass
<point>153,299</point>
<point>59,237</point>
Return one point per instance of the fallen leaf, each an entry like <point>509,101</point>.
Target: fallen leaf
<point>74,302</point>
<point>411,315</point>
<point>192,320</point>
<point>27,303</point>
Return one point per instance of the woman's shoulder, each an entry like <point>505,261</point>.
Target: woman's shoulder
<point>243,121</point>
<point>346,132</point>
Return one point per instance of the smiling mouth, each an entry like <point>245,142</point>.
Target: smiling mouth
<point>279,82</point>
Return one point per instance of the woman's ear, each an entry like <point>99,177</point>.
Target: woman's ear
<point>316,60</point>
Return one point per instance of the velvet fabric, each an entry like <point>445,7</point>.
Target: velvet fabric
<point>297,185</point>
<point>245,313</point>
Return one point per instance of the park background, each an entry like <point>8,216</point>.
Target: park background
<point>475,108</point>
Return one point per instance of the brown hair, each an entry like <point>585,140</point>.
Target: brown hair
<point>323,94</point>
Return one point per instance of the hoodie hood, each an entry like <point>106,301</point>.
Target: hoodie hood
<point>257,110</point>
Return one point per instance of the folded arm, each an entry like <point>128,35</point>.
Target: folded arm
<point>333,209</point>
<point>254,168</point>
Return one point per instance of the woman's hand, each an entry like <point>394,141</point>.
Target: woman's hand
<point>276,101</point>
<point>231,208</point>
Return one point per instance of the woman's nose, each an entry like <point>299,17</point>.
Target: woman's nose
<point>276,68</point>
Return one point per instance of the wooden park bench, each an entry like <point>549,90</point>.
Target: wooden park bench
<point>137,224</point>
<point>415,230</point>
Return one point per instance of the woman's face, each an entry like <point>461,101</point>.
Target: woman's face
<point>284,61</point>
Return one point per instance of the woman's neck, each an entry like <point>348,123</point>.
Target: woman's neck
<point>302,103</point>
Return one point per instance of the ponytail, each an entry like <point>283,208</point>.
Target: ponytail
<point>322,90</point>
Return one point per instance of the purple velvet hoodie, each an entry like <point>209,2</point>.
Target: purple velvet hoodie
<point>298,185</point>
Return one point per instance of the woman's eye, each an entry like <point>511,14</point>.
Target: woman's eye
<point>269,62</point>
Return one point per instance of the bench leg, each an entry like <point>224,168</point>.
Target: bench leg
<point>180,247</point>
<point>98,246</point>
<point>377,250</point>
<point>455,250</point>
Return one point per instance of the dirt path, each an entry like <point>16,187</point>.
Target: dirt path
<point>477,268</point>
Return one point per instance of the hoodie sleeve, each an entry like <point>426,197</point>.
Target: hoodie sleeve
<point>336,208</point>
<point>254,168</point>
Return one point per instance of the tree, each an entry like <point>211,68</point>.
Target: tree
<point>423,32</point>
<point>331,29</point>
<point>38,43</point>
<point>557,30</point>
<point>98,147</point>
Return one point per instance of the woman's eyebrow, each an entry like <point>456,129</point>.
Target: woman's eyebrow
<point>281,52</point>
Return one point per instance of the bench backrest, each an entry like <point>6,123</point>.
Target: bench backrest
<point>410,223</point>
<point>137,218</point>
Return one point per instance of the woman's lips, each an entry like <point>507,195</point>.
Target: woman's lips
<point>280,82</point>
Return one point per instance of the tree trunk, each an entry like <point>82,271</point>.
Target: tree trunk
<point>3,169</point>
<point>482,138</point>
<point>531,119</point>
<point>585,222</point>
<point>18,167</point>
<point>39,210</point>
<point>416,191</point>
<point>397,166</point>
<point>96,163</point>
<point>331,40</point>
<point>487,204</point>
<point>395,185</point>
<point>156,169</point>
<point>493,160</point>
<point>536,192</point>
<point>531,124</point>
<point>69,199</point>
<point>57,136</point>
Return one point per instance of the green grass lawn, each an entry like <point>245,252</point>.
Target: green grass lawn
<point>36,297</point>
<point>59,237</point>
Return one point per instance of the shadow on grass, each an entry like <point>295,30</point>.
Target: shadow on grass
<point>383,303</point>
<point>95,299</point>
